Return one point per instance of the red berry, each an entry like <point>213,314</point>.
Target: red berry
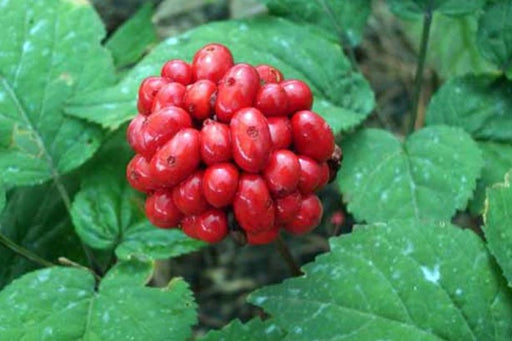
<point>211,62</point>
<point>282,173</point>
<point>272,100</point>
<point>253,206</point>
<point>212,226</point>
<point>188,195</point>
<point>147,92</point>
<point>324,176</point>
<point>220,183</point>
<point>215,142</point>
<point>299,95</point>
<point>161,127</point>
<point>251,139</point>
<point>312,136</point>
<point>170,95</point>
<point>337,218</point>
<point>137,173</point>
<point>177,70</point>
<point>189,226</point>
<point>287,208</point>
<point>177,158</point>
<point>200,99</point>
<point>269,74</point>
<point>264,237</point>
<point>161,211</point>
<point>237,90</point>
<point>308,217</point>
<point>310,174</point>
<point>135,133</point>
<point>280,132</point>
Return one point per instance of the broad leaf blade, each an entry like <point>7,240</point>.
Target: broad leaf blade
<point>396,281</point>
<point>35,306</point>
<point>412,8</point>
<point>341,19</point>
<point>299,53</point>
<point>498,224</point>
<point>255,329</point>
<point>130,41</point>
<point>53,52</point>
<point>383,179</point>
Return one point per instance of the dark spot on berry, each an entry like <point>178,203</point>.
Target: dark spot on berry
<point>252,132</point>
<point>191,108</point>
<point>171,160</point>
<point>213,98</point>
<point>210,48</point>
<point>230,81</point>
<point>134,175</point>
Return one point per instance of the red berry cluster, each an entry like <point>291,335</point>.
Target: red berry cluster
<point>213,137</point>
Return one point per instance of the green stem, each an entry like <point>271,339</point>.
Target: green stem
<point>8,243</point>
<point>418,80</point>
<point>285,253</point>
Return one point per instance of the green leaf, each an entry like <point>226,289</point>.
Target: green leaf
<point>497,161</point>
<point>410,9</point>
<point>342,95</point>
<point>2,199</point>
<point>340,19</point>
<point>52,52</point>
<point>430,176</point>
<point>37,219</point>
<point>108,214</point>
<point>129,43</point>
<point>452,46</point>
<point>255,329</point>
<point>495,34</point>
<point>123,308</point>
<point>397,281</point>
<point>498,224</point>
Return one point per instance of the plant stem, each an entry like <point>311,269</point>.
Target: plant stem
<point>285,253</point>
<point>20,250</point>
<point>418,80</point>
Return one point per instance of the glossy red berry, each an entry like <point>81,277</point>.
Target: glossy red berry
<point>310,174</point>
<point>312,136</point>
<point>253,206</point>
<point>189,226</point>
<point>161,126</point>
<point>287,208</point>
<point>200,99</point>
<point>324,176</point>
<point>282,173</point>
<point>170,95</point>
<point>299,95</point>
<point>264,237</point>
<point>220,183</point>
<point>147,92</point>
<point>135,134</point>
<point>308,217</point>
<point>137,173</point>
<point>272,100</point>
<point>212,226</point>
<point>237,90</point>
<point>269,74</point>
<point>188,195</point>
<point>215,142</point>
<point>211,62</point>
<point>177,70</point>
<point>161,211</point>
<point>251,139</point>
<point>280,132</point>
<point>176,159</point>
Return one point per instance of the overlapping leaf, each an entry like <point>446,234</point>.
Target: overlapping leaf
<point>429,176</point>
<point>62,304</point>
<point>413,8</point>
<point>343,97</point>
<point>398,281</point>
<point>50,51</point>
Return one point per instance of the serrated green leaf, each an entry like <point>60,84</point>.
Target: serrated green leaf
<point>430,176</point>
<point>495,34</point>
<point>52,52</point>
<point>299,53</point>
<point>339,19</point>
<point>452,47</point>
<point>35,306</point>
<point>255,329</point>
<point>37,219</point>
<point>398,281</point>
<point>108,214</point>
<point>410,9</point>
<point>130,41</point>
<point>497,162</point>
<point>498,224</point>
